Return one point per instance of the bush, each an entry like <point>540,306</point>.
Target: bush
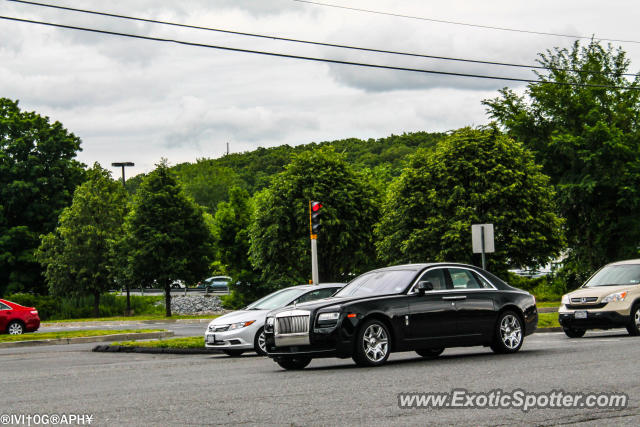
<point>547,288</point>
<point>45,304</point>
<point>525,283</point>
<point>60,308</point>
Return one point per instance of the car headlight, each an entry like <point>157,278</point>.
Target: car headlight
<point>268,324</point>
<point>565,300</point>
<point>240,325</point>
<point>615,297</point>
<point>330,317</point>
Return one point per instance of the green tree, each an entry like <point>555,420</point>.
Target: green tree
<point>231,230</point>
<point>77,255</point>
<point>585,133</point>
<point>473,176</point>
<point>38,175</point>
<point>206,183</point>
<point>167,237</point>
<point>279,234</point>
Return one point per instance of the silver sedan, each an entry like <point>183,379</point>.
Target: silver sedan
<point>243,330</point>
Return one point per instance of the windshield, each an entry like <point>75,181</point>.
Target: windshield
<point>276,300</point>
<point>612,275</point>
<point>378,283</point>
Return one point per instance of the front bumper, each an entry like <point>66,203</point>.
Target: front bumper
<point>595,320</point>
<point>239,339</point>
<point>333,341</point>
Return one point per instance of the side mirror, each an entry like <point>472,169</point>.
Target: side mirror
<point>423,286</point>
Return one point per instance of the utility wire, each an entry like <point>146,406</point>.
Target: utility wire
<point>308,58</point>
<point>333,45</point>
<point>442,21</point>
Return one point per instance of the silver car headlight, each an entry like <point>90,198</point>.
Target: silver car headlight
<point>565,300</point>
<point>239,325</point>
<point>615,297</point>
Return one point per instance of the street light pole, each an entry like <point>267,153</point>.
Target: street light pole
<point>123,165</point>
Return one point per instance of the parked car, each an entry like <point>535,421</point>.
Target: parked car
<point>16,319</point>
<point>609,299</point>
<point>243,330</point>
<point>416,307</point>
<point>215,283</point>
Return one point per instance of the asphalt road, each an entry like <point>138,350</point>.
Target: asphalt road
<point>143,389</point>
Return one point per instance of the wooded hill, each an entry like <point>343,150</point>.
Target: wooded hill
<point>208,180</point>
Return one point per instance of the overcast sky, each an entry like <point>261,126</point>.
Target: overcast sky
<point>138,100</point>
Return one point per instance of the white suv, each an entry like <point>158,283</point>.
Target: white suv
<point>609,299</point>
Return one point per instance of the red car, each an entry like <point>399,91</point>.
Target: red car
<point>16,319</point>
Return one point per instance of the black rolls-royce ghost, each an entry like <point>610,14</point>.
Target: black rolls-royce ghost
<point>416,307</point>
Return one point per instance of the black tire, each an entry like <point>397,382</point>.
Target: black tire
<point>293,363</point>
<point>15,327</point>
<point>233,353</point>
<point>373,344</point>
<point>574,333</point>
<point>260,350</point>
<point>509,333</point>
<point>430,353</point>
<point>634,326</point>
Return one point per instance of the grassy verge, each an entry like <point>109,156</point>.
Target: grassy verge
<point>548,320</point>
<point>548,304</point>
<point>132,318</point>
<point>185,342</point>
<point>72,334</point>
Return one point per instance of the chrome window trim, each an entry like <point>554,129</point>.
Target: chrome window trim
<point>415,283</point>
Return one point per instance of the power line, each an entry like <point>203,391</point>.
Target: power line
<point>442,21</point>
<point>307,58</point>
<point>333,45</point>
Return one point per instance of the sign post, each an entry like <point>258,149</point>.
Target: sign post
<point>482,240</point>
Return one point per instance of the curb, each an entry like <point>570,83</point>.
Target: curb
<point>82,340</point>
<point>554,329</point>
<point>152,350</point>
<point>548,309</point>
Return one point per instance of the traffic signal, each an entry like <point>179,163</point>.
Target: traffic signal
<point>315,209</point>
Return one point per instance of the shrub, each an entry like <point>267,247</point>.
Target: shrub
<point>60,308</point>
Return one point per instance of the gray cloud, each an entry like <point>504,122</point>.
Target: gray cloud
<point>140,101</point>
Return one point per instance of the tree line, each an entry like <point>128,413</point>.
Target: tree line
<point>556,172</point>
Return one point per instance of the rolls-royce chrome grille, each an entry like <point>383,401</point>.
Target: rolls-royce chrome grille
<point>293,325</point>
<point>292,328</point>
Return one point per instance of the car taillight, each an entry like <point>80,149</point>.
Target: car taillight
<point>34,311</point>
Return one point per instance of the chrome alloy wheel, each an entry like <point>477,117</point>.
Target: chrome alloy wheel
<point>262,342</point>
<point>376,343</point>
<point>637,317</point>
<point>15,329</point>
<point>510,331</point>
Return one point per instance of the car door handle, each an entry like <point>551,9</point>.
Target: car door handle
<point>455,298</point>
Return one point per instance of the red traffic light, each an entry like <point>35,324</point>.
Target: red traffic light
<point>315,206</point>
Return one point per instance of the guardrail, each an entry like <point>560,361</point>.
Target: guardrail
<point>183,291</point>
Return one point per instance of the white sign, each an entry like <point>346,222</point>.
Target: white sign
<point>477,233</point>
